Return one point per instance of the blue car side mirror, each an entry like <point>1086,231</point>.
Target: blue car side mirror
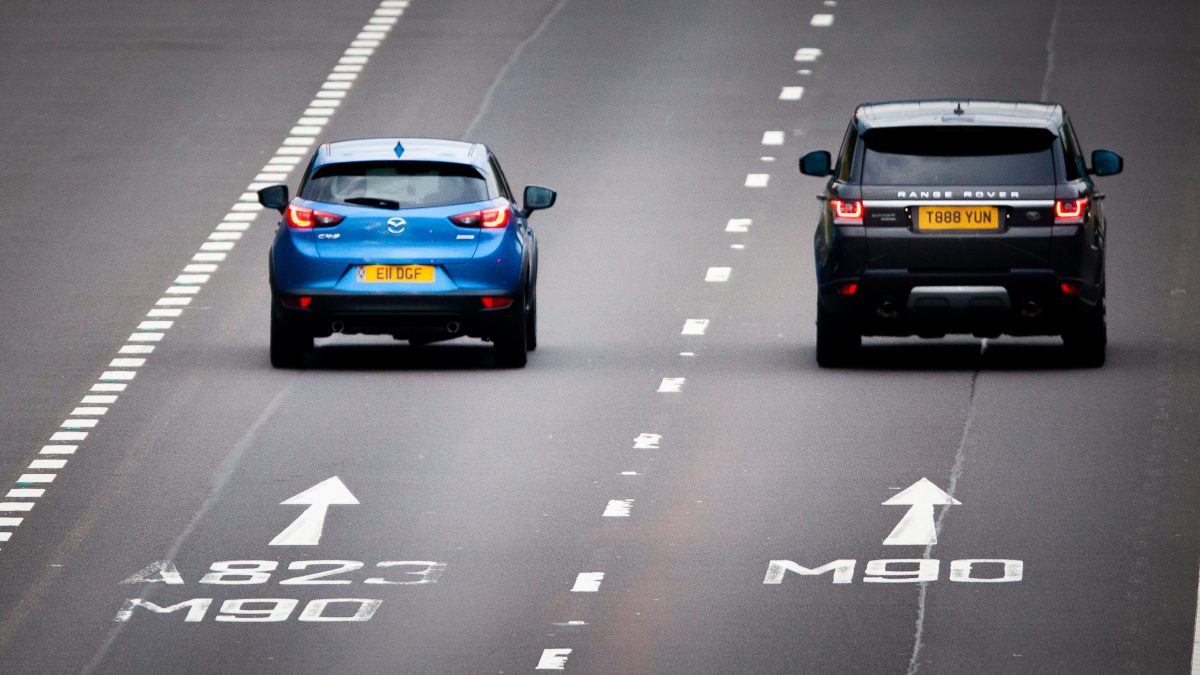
<point>816,163</point>
<point>274,197</point>
<point>1106,163</point>
<point>538,197</point>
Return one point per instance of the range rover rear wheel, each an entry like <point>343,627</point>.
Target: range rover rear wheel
<point>1086,340</point>
<point>837,341</point>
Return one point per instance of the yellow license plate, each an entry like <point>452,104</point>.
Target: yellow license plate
<point>958,218</point>
<point>408,274</point>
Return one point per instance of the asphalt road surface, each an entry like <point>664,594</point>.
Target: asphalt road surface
<point>649,493</point>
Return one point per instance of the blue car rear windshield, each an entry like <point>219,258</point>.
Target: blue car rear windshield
<point>958,156</point>
<point>406,184</point>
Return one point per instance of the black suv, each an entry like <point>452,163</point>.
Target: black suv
<point>950,216</point>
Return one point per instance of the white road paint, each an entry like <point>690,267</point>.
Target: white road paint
<point>808,54</point>
<point>917,528</point>
<point>630,473</point>
<point>306,530</point>
<point>671,385</point>
<point>687,353</point>
<point>694,327</point>
<point>89,410</point>
<point>757,180</point>
<point>738,225</point>
<point>197,273</point>
<point>772,138</point>
<point>69,436</point>
<point>25,493</point>
<point>553,659</point>
<point>136,349</point>
<point>43,464</point>
<point>821,20</point>
<point>16,506</point>
<point>118,375</point>
<point>587,582</point>
<point>737,247</point>
<point>718,274</point>
<point>1196,635</point>
<point>618,508</point>
<point>791,93</point>
<point>646,441</point>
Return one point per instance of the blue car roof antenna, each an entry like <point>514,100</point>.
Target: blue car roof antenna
<point>399,149</point>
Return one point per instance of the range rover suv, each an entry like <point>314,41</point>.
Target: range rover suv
<point>972,217</point>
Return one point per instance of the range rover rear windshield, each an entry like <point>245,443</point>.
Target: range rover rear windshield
<point>403,185</point>
<point>953,155</point>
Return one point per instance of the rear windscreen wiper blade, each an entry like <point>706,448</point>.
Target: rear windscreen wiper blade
<point>374,201</point>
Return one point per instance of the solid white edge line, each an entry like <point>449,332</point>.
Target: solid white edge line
<point>1196,633</point>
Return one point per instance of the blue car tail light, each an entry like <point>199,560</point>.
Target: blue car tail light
<point>490,218</point>
<point>303,218</point>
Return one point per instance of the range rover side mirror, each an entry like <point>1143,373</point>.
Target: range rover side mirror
<point>1106,163</point>
<point>274,197</point>
<point>816,163</point>
<point>537,198</point>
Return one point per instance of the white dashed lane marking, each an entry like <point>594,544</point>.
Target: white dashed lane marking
<point>618,508</point>
<point>772,138</point>
<point>646,441</point>
<point>808,54</point>
<point>671,385</point>
<point>791,93</point>
<point>694,327</point>
<point>738,225</point>
<point>718,275</point>
<point>587,582</point>
<point>199,271</point>
<point>821,20</point>
<point>757,180</point>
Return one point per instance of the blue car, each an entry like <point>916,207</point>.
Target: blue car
<point>416,238</point>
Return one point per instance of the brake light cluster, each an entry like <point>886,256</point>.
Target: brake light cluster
<point>1070,211</point>
<point>493,218</point>
<point>303,218</point>
<point>847,212</point>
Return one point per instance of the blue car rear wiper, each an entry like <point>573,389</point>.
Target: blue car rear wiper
<point>374,201</point>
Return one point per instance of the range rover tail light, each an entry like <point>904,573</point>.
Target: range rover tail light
<point>1070,211</point>
<point>847,212</point>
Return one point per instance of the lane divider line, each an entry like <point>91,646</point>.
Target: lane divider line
<point>718,275</point>
<point>587,582</point>
<point>671,385</point>
<point>198,272</point>
<point>618,508</point>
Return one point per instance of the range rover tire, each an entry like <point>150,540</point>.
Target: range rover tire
<point>1087,339</point>
<point>837,342</point>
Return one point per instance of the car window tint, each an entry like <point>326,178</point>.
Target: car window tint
<point>958,156</point>
<point>503,182</point>
<point>410,184</point>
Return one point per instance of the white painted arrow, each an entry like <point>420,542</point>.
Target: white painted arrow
<point>306,530</point>
<point>917,527</point>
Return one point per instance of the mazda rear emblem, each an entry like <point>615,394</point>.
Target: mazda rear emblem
<point>396,225</point>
